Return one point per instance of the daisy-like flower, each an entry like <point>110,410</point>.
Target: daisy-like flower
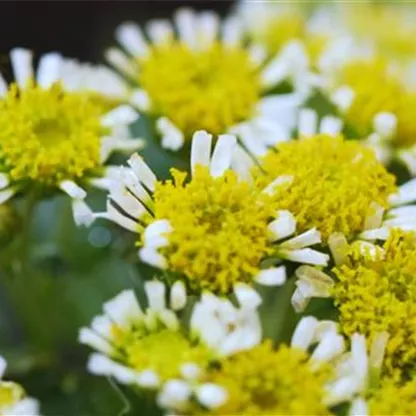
<point>214,229</point>
<point>374,290</point>
<point>13,399</point>
<point>337,184</point>
<point>275,24</point>
<point>310,376</point>
<point>377,107</point>
<point>51,137</point>
<point>201,75</point>
<point>132,339</point>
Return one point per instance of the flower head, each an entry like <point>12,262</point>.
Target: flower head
<point>13,399</point>
<point>335,182</point>
<point>375,292</point>
<point>264,380</point>
<point>205,77</point>
<point>54,138</point>
<point>215,229</point>
<point>132,339</point>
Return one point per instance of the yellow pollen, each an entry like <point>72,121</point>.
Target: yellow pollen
<point>211,89</point>
<point>379,294</point>
<point>10,393</point>
<point>165,352</point>
<point>263,381</point>
<point>335,181</point>
<point>219,228</point>
<point>48,135</point>
<point>378,91</point>
<point>394,400</point>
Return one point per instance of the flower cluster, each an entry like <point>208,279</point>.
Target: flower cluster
<point>297,139</point>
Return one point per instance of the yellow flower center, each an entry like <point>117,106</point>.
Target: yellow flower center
<point>372,20</point>
<point>379,294</point>
<point>394,400</point>
<point>10,393</point>
<point>165,352</point>
<point>219,228</point>
<point>48,135</point>
<point>378,91</point>
<point>211,89</point>
<point>263,381</point>
<point>334,183</point>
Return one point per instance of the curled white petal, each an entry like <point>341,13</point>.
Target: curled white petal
<point>172,138</point>
<point>275,276</point>
<point>178,296</point>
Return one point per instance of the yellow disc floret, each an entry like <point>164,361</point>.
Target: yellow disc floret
<point>149,352</point>
<point>48,135</point>
<point>10,393</point>
<point>210,89</point>
<point>263,381</point>
<point>334,183</point>
<point>376,294</point>
<point>375,91</point>
<point>219,228</point>
<point>394,400</point>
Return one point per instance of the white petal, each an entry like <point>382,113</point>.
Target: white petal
<point>102,325</point>
<point>232,31</point>
<point>153,258</point>
<point>111,144</point>
<point>131,182</point>
<point>190,371</point>
<point>24,407</point>
<point>283,226</point>
<point>186,24</point>
<point>222,155</point>
<point>155,234</point>
<point>308,121</point>
<point>90,338</point>
<point>72,189</point>
<point>280,182</point>
<point>124,114</point>
<point>201,149</point>
<point>242,163</point>
<point>21,60</point>
<point>211,395</point>
<point>270,131</point>
<point>377,351</point>
<point>306,239</point>
<point>376,234</point>
<point>375,218</point>
<point>338,246</point>
<point>3,365</point>
<point>140,99</point>
<point>275,276</point>
<point>358,408</point>
<point>385,124</point>
<point>6,194</point>
<point>405,194</point>
<point>172,137</point>
<point>331,125</point>
<point>330,347</point>
<point>343,97</point>
<point>124,308</point>
<point>247,135</point>
<point>174,394</point>
<point>246,296</point>
<point>83,215</point>
<point>121,62</point>
<point>142,171</point>
<point>49,69</point>
<point>160,31</point>
<point>403,212</point>
<point>257,54</point>
<point>359,359</point>
<point>305,255</point>
<point>3,87</point>
<point>304,333</point>
<point>208,24</point>
<point>275,72</point>
<point>155,292</point>
<point>178,296</point>
<point>148,379</point>
<point>131,38</point>
<point>113,214</point>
